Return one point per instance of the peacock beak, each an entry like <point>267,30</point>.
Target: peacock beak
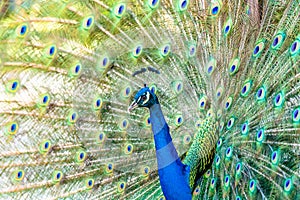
<point>132,106</point>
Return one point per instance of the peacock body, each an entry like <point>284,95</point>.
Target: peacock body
<point>222,87</point>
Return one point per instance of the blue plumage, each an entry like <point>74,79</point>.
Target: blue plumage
<point>173,174</point>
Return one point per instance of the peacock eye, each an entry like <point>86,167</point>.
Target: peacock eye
<point>144,97</point>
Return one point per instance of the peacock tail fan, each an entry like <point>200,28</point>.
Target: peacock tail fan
<point>226,74</point>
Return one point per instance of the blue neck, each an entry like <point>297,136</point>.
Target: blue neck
<point>173,175</point>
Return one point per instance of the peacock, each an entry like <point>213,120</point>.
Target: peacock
<point>149,99</point>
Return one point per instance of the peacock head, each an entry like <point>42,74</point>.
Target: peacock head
<point>143,98</point>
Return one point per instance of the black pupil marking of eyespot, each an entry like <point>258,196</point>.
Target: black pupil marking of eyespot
<point>202,103</point>
<point>244,127</point>
<point>13,127</point>
<point>192,50</point>
<point>45,99</point>
<point>89,22</point>
<point>101,136</point>
<point>124,123</point>
<point>275,42</point>
<point>287,183</point>
<point>104,62</point>
<point>215,10</point>
<point>227,29</point>
<point>23,30</point>
<point>14,85</point>
<point>81,156</point>
<point>228,150</point>
<point>294,46</point>
<point>183,4</point>
<point>227,104</point>
<point>256,50</point>
<point>278,98</point>
<point>77,68</point>
<point>166,49</point>
<point>259,92</point>
<point>232,68</point>
<point>229,123</point>
<point>259,133</point>
<point>244,89</point>
<point>98,102</point>
<point>52,49</point>
<point>154,2</point>
<point>274,156</point>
